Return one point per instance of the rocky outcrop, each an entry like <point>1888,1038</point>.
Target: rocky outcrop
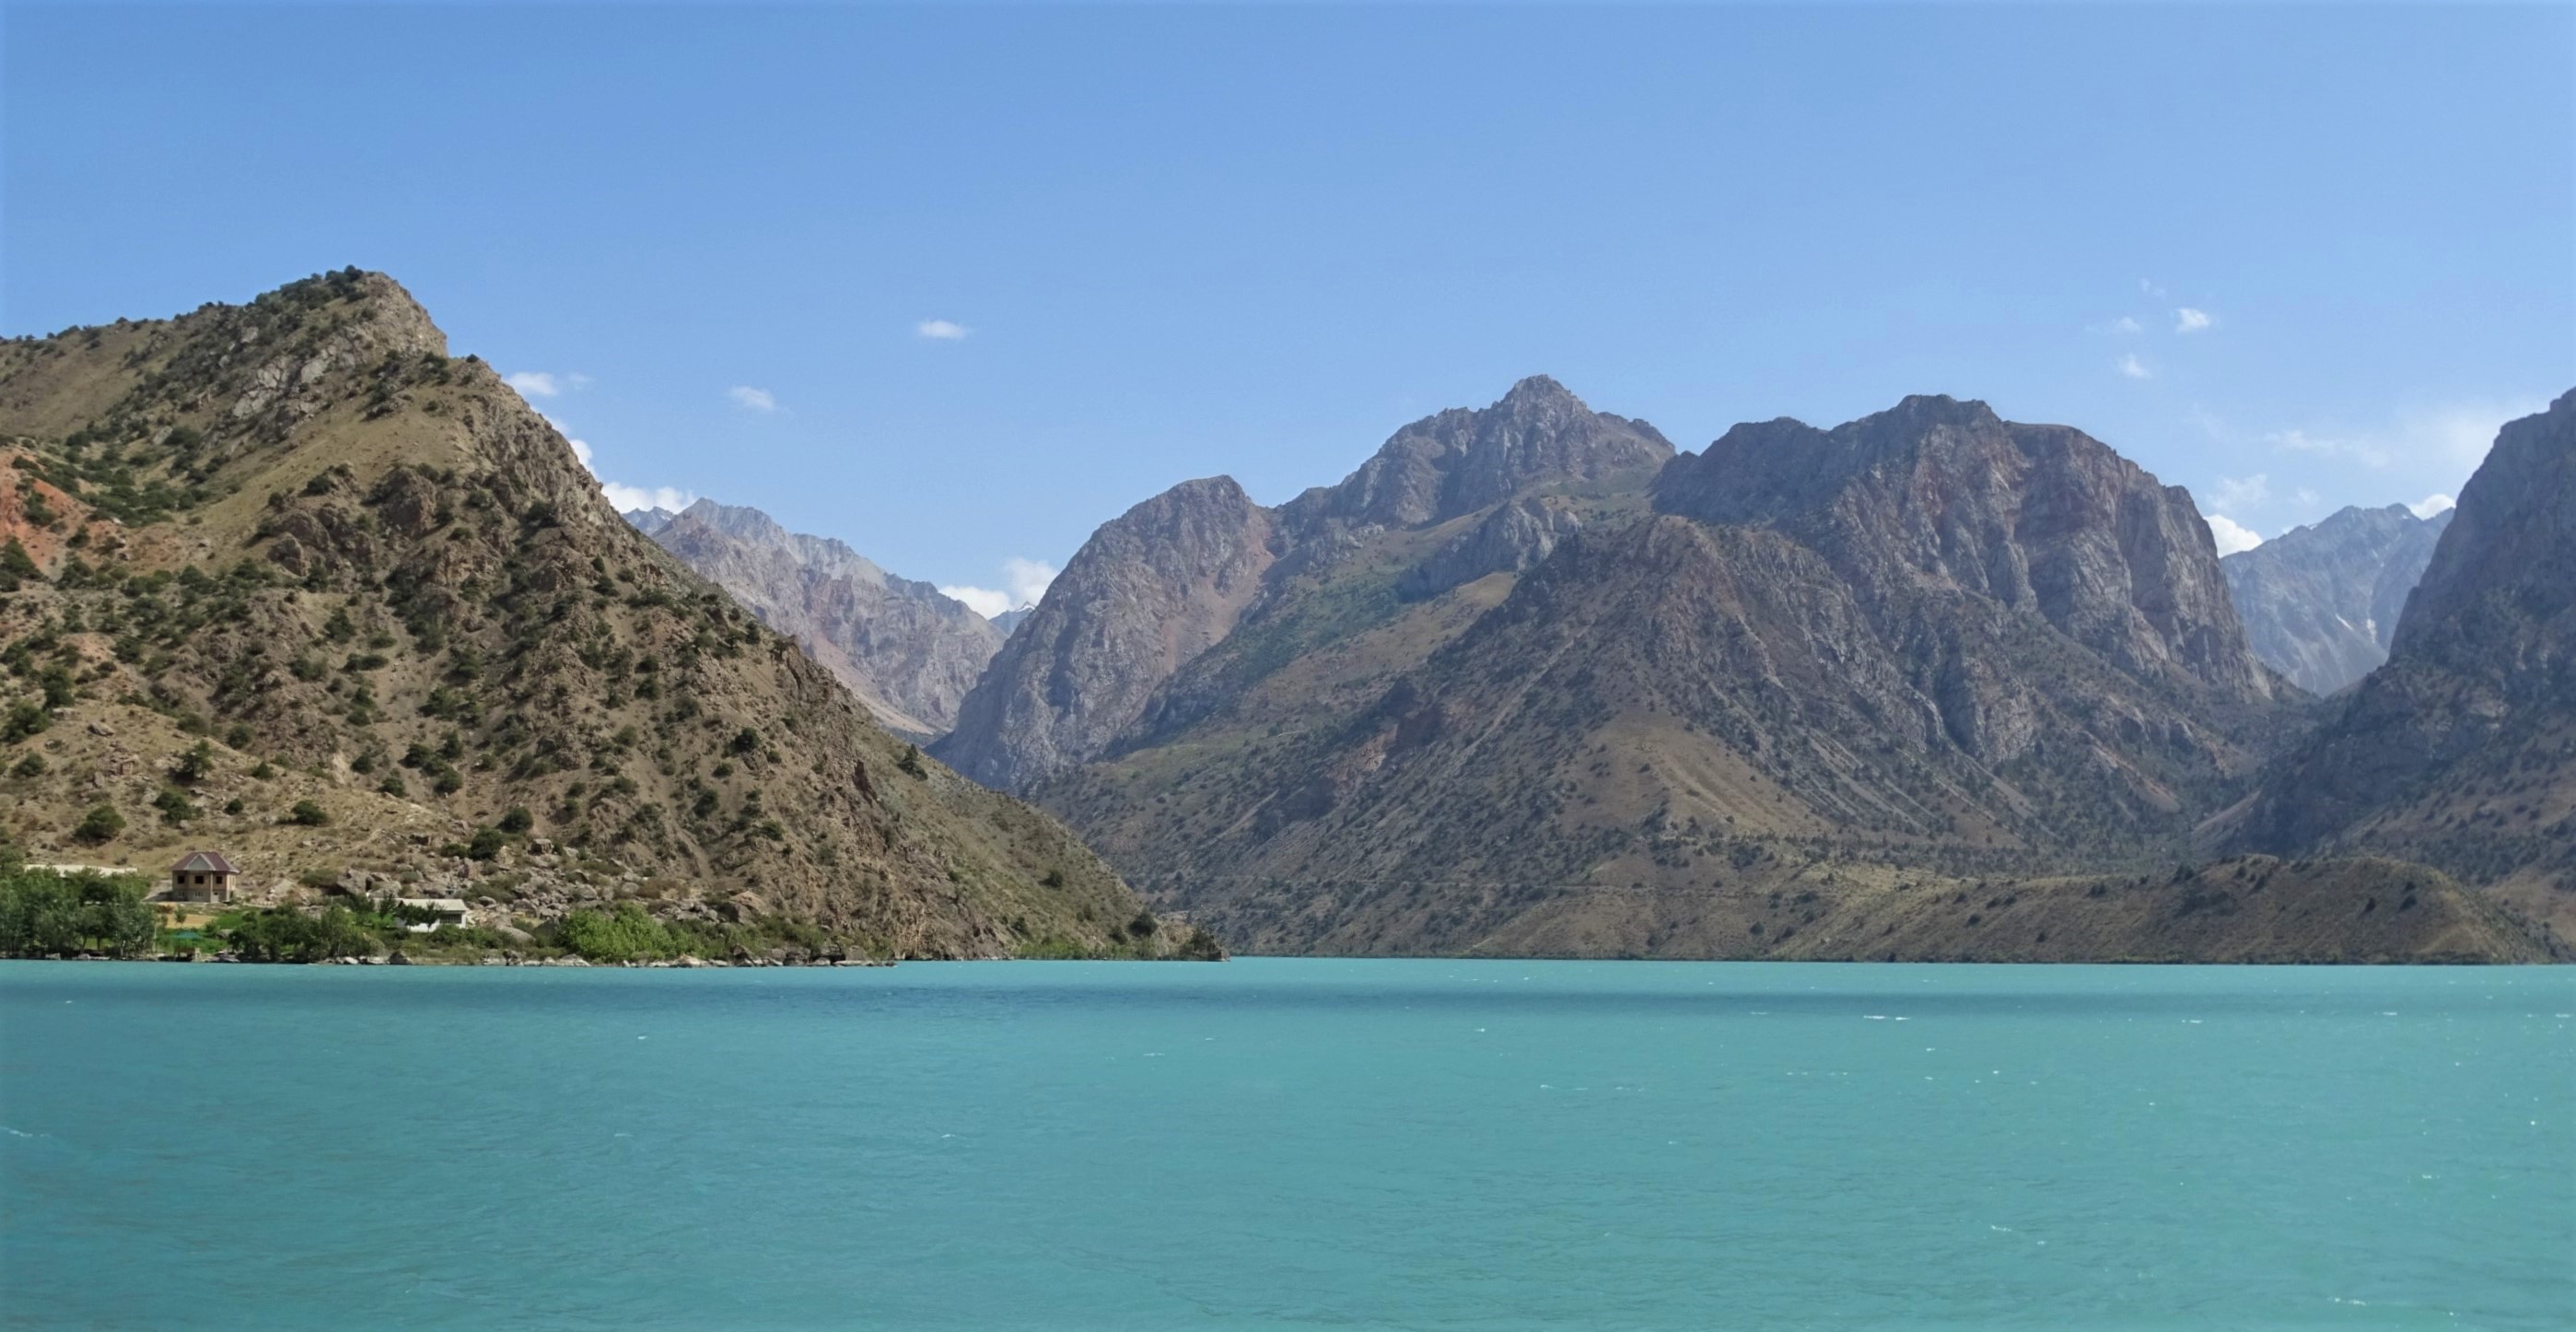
<point>1151,589</point>
<point>2460,751</point>
<point>2320,603</point>
<point>1513,538</point>
<point>909,651</point>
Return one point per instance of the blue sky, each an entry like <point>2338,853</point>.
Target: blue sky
<point>957,284</point>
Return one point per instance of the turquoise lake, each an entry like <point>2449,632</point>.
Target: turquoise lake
<point>1276,1143</point>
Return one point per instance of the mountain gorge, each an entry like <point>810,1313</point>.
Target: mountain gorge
<point>289,579</point>
<point>2460,751</point>
<point>2320,603</point>
<point>907,650</point>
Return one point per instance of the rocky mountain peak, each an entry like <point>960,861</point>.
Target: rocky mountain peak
<point>1462,460</point>
<point>1152,589</point>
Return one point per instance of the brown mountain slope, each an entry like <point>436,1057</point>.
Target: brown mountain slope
<point>1956,644</point>
<point>2461,751</point>
<point>906,649</point>
<point>2255,909</point>
<point>385,584</point>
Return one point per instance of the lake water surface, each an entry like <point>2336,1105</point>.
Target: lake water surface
<point>1263,1143</point>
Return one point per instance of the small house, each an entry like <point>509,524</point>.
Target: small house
<point>203,876</point>
<point>440,910</point>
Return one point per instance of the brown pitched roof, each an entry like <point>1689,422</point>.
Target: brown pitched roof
<point>204,862</point>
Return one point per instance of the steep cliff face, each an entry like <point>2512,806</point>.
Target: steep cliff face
<point>904,648</point>
<point>2320,603</point>
<point>374,581</point>
<point>2038,520</point>
<point>2460,751</point>
<point>1150,590</point>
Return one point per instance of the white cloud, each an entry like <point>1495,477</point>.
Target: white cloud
<point>2231,535</point>
<point>535,384</point>
<point>2431,505</point>
<point>2134,368</point>
<point>753,399</point>
<point>2189,320</point>
<point>985,601</point>
<point>941,330</point>
<point>2120,327</point>
<point>2308,499</point>
<point>2242,492</point>
<point>1024,581</point>
<point>625,498</point>
<point>2150,287</point>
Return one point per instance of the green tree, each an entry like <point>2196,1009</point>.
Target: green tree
<point>308,814</point>
<point>25,719</point>
<point>15,566</point>
<point>43,912</point>
<point>174,806</point>
<point>102,823</point>
<point>196,765</point>
<point>625,936</point>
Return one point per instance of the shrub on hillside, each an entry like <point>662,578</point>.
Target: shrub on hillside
<point>102,823</point>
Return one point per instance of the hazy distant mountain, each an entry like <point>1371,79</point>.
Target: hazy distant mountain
<point>908,650</point>
<point>1008,622</point>
<point>2320,603</point>
<point>2461,750</point>
<point>649,521</point>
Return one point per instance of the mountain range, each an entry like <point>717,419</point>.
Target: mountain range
<point>1529,680</point>
<point>289,579</point>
